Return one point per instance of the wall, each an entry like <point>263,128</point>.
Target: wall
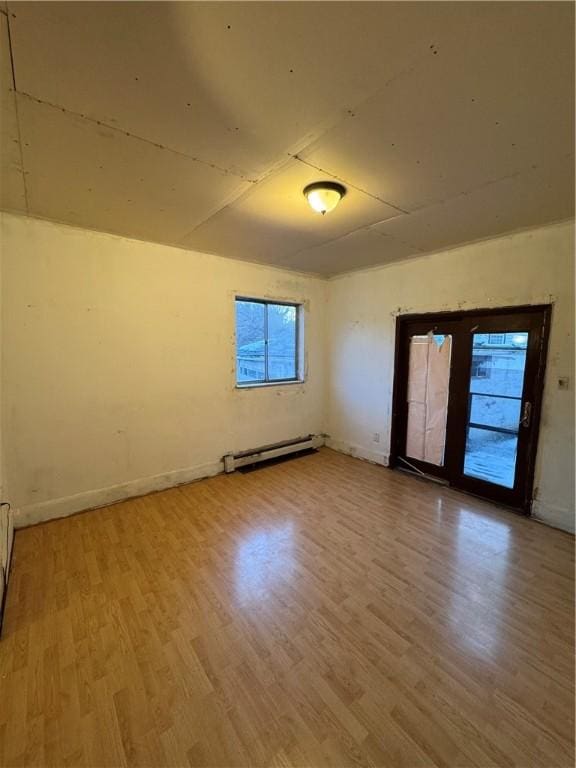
<point>118,359</point>
<point>119,366</point>
<point>526,268</point>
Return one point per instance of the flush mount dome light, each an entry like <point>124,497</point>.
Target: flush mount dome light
<point>324,196</point>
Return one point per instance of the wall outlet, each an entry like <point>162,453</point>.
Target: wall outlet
<point>376,437</point>
<point>563,382</point>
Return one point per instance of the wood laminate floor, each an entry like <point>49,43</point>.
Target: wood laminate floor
<point>320,612</point>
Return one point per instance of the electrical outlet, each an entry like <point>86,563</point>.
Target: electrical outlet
<point>376,437</point>
<point>563,382</point>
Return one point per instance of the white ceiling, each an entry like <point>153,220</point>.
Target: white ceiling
<point>199,124</point>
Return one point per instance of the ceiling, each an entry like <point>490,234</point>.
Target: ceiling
<point>199,124</point>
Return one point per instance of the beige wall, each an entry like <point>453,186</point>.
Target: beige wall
<point>119,359</point>
<point>526,268</point>
<point>2,346</point>
<point>119,366</point>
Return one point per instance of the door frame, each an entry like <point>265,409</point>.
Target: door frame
<point>445,318</point>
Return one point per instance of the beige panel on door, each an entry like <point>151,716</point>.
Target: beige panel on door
<point>428,386</point>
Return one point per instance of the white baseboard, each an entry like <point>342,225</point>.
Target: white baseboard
<point>358,451</point>
<point>6,544</point>
<point>6,537</point>
<point>557,517</point>
<point>80,502</point>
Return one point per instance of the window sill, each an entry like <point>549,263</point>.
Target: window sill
<point>266,384</point>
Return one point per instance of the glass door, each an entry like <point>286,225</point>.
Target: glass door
<point>502,359</point>
<point>467,395</point>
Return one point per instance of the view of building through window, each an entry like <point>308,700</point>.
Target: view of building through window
<point>266,341</point>
<point>496,384</point>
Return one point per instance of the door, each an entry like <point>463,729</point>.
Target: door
<point>467,396</point>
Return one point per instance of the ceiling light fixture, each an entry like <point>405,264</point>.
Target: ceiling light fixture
<point>324,196</point>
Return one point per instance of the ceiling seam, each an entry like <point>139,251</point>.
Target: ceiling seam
<point>401,240</point>
<point>361,228</point>
<point>366,227</point>
<point>372,227</point>
<point>434,203</point>
<point>446,249</point>
<point>409,69</point>
<point>348,183</point>
<point>266,174</point>
<point>483,185</point>
<point>295,156</point>
<point>328,242</point>
<point>114,128</point>
<point>162,243</point>
<point>448,200</point>
<point>276,168</point>
<point>10,49</point>
<point>20,149</point>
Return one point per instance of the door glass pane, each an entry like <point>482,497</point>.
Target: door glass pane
<point>494,411</point>
<point>281,342</point>
<point>494,407</point>
<point>428,381</point>
<point>250,341</point>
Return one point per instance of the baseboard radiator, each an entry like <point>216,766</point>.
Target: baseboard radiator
<point>233,461</point>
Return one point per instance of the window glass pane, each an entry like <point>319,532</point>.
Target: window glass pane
<point>496,383</point>
<point>498,367</point>
<point>281,342</point>
<point>250,341</point>
<point>491,456</point>
<point>495,411</point>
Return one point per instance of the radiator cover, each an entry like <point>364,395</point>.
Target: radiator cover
<point>234,460</point>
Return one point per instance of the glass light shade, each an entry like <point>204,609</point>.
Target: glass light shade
<point>324,197</point>
<point>323,200</point>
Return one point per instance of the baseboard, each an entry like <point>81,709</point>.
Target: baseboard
<point>6,536</point>
<point>557,517</point>
<point>6,546</point>
<point>80,502</point>
<point>358,451</point>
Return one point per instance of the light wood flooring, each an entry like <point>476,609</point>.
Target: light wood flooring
<point>320,612</point>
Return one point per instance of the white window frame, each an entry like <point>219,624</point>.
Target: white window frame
<point>299,347</point>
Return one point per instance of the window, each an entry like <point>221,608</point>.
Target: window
<point>266,342</point>
<point>496,338</point>
<point>481,365</point>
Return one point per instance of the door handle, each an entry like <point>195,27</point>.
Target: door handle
<point>526,414</point>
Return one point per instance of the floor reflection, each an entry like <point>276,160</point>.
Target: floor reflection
<point>476,607</point>
<point>263,559</point>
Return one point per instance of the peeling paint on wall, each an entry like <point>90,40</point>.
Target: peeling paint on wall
<point>534,268</point>
<point>172,410</point>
